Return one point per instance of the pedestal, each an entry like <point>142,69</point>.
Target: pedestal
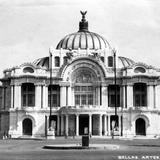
<point>85,141</point>
<point>51,134</point>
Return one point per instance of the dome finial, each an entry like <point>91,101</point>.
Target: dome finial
<point>83,24</point>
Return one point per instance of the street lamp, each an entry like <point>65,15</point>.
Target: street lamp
<point>50,82</point>
<point>115,120</point>
<point>115,81</point>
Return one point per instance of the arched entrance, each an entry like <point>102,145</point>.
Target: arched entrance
<point>140,127</point>
<point>27,126</point>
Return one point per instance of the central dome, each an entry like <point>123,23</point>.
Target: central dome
<point>83,39</point>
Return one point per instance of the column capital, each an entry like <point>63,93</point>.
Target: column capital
<point>100,114</point>
<point>18,84</point>
<point>151,84</point>
<point>39,84</point>
<point>64,84</point>
<point>104,84</point>
<point>130,84</point>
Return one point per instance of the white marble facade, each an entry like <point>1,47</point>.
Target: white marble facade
<point>83,92</point>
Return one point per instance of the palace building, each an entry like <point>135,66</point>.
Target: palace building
<point>76,86</point>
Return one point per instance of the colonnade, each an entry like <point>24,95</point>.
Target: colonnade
<point>103,122</point>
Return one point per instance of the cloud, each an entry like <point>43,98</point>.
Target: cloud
<point>26,3</point>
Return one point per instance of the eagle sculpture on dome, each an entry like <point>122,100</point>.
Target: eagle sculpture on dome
<point>83,14</point>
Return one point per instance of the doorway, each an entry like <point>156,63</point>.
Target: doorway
<point>27,126</point>
<point>140,127</point>
<point>83,124</point>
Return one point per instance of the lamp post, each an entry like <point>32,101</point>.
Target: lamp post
<point>115,81</point>
<point>50,82</point>
<point>115,120</point>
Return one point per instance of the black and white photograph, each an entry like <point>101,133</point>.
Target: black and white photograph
<point>80,80</point>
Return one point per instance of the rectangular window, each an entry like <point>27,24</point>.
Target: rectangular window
<point>111,96</point>
<point>65,60</point>
<point>57,61</point>
<point>140,94</point>
<point>90,99</point>
<point>84,99</point>
<point>83,95</point>
<point>110,61</point>
<point>77,99</point>
<point>28,94</point>
<point>54,96</point>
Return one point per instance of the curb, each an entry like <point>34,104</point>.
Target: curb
<point>68,147</point>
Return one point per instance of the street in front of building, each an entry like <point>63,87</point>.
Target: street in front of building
<point>18,149</point>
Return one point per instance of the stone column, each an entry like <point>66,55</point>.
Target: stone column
<point>124,96</point>
<point>109,127</point>
<point>69,96</point>
<point>119,121</point>
<point>38,96</point>
<point>150,96</point>
<point>17,96</point>
<point>63,96</point>
<point>104,95</point>
<point>100,125</point>
<point>90,124</point>
<point>121,96</point>
<point>98,91</point>
<point>105,125</point>
<point>45,96</point>
<point>58,125</point>
<point>62,125</point>
<point>12,96</point>
<point>157,87</point>
<point>154,96</point>
<point>130,95</point>
<point>66,128</point>
<point>2,107</point>
<point>72,97</point>
<point>77,124</point>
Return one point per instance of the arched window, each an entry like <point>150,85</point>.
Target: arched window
<point>110,61</point>
<point>54,96</point>
<point>111,95</point>
<point>139,70</point>
<point>28,70</point>
<point>140,94</point>
<point>28,94</point>
<point>84,91</point>
<point>57,61</point>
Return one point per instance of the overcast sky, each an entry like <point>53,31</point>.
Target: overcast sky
<point>29,27</point>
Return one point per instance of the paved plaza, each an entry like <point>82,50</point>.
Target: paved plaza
<point>28,149</point>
